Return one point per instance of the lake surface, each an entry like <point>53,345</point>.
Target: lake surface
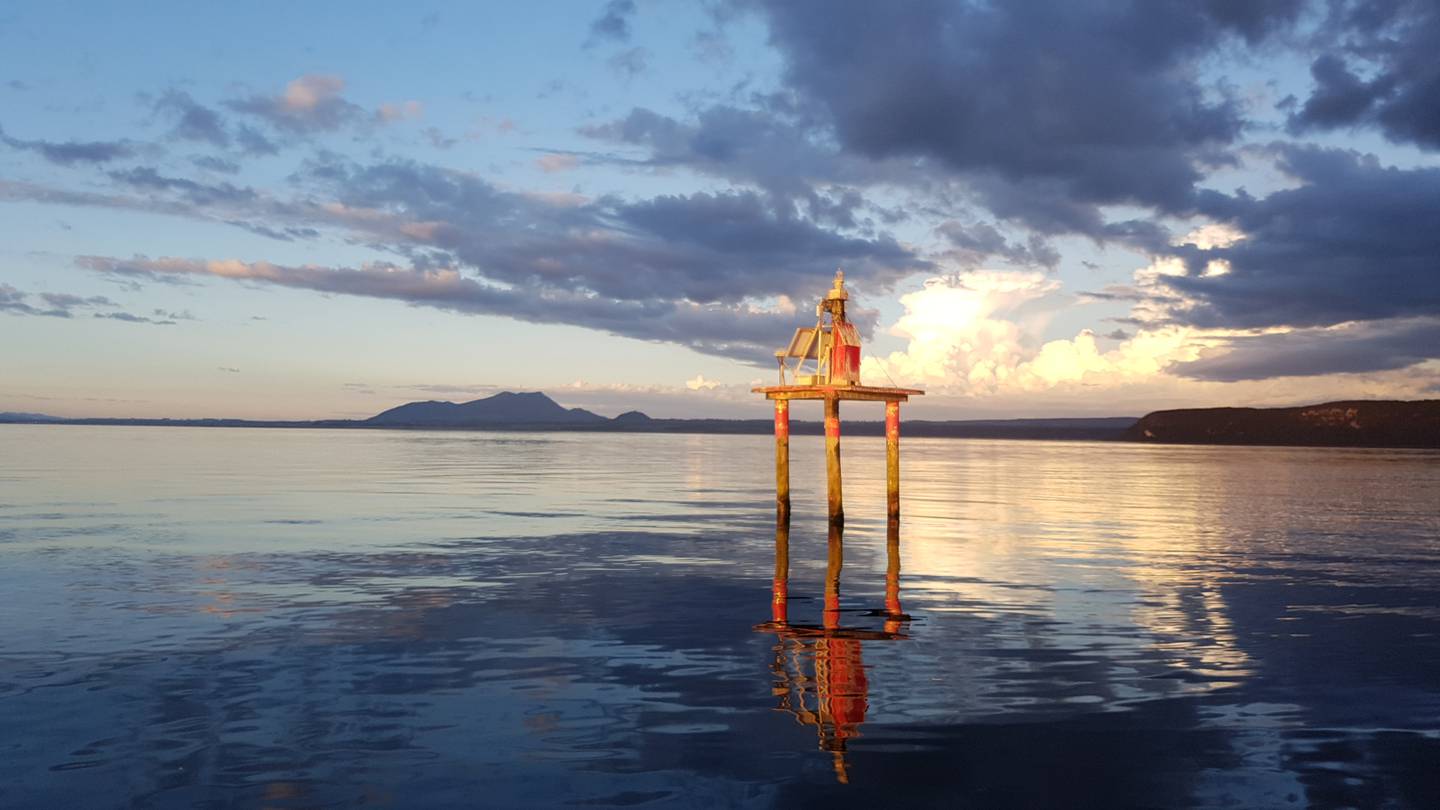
<point>297,618</point>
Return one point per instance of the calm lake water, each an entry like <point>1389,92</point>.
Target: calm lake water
<point>295,618</point>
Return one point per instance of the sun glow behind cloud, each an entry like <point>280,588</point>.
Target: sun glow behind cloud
<point>980,334</point>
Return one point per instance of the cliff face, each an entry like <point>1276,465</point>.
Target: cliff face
<point>1333,424</point>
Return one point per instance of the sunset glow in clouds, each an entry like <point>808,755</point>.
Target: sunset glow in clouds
<point>1042,209</point>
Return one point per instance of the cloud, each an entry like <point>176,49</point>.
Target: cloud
<point>716,262</point>
<point>67,305</point>
<point>66,301</point>
<point>614,21</point>
<point>1035,102</point>
<point>12,301</point>
<point>130,318</point>
<point>203,194</point>
<point>977,341</point>
<point>215,164</point>
<point>770,146</point>
<point>1354,241</point>
<point>1340,98</point>
<point>438,139</point>
<point>253,142</point>
<point>726,246</point>
<point>980,334</point>
<point>738,331</point>
<point>630,62</point>
<point>309,104</point>
<point>699,383</point>
<point>70,153</point>
<point>1392,42</point>
<point>553,163</point>
<point>193,121</point>
<point>174,196</point>
<point>402,111</point>
<point>1047,115</point>
<point>1348,349</point>
<point>972,244</point>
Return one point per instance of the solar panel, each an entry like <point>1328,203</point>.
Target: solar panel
<point>803,344</point>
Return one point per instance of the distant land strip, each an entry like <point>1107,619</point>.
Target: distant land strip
<point>1413,424</point>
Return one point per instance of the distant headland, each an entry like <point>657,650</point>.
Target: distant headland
<point>1359,423</point>
<point>1334,424</point>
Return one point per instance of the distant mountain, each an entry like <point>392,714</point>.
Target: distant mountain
<point>505,408</point>
<point>1340,424</point>
<point>15,416</point>
<point>1333,424</point>
<point>536,411</point>
<point>634,418</point>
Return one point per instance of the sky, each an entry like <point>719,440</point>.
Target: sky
<point>1047,208</point>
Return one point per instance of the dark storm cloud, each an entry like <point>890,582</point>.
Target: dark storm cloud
<point>1044,112</point>
<point>69,153</point>
<point>614,21</point>
<point>763,146</point>
<point>1029,89</point>
<point>1378,68</point>
<point>1361,348</point>
<point>769,148</point>
<point>745,225</point>
<point>1096,104</point>
<point>700,247</point>
<point>1253,19</point>
<point>1357,241</point>
<point>1340,97</point>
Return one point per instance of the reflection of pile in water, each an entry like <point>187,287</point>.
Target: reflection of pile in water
<point>820,671</point>
<point>820,679</point>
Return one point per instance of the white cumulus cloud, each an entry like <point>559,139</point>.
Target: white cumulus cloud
<point>982,334</point>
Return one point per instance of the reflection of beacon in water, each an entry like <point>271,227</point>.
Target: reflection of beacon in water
<point>819,672</point>
<point>821,681</point>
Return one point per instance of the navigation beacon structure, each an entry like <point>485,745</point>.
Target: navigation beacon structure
<point>834,345</point>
